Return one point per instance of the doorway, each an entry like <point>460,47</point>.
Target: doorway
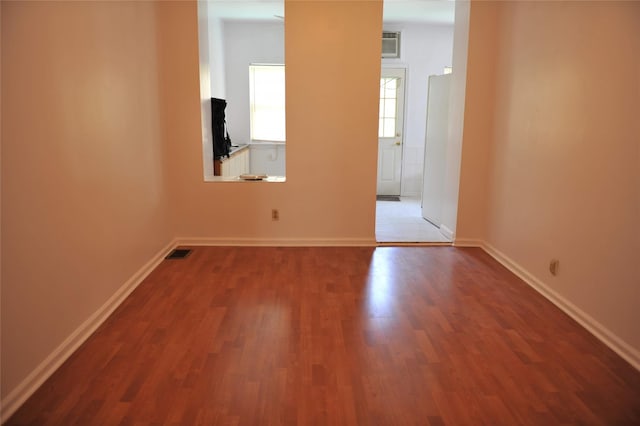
<point>398,218</point>
<point>417,219</point>
<point>433,45</point>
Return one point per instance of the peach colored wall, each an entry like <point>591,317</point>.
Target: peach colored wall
<point>564,164</point>
<point>333,66</point>
<point>83,188</point>
<point>477,125</point>
<point>453,163</point>
<point>0,205</point>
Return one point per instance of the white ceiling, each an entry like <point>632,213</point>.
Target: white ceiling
<point>427,11</point>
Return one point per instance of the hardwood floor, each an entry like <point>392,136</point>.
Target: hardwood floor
<point>337,336</point>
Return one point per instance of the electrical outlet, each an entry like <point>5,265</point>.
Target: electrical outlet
<point>553,266</point>
<point>275,214</point>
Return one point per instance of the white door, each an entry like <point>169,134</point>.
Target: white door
<point>435,150</point>
<point>390,131</point>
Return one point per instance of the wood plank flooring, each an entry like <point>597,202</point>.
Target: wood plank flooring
<point>337,336</point>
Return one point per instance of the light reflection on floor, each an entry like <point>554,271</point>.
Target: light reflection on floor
<point>381,285</point>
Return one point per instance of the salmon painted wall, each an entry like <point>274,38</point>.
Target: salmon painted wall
<point>476,125</point>
<point>564,151</point>
<point>332,65</point>
<point>84,203</point>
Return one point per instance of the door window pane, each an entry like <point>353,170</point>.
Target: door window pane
<point>388,107</point>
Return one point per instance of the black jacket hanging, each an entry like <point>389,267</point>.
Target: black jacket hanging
<point>221,140</point>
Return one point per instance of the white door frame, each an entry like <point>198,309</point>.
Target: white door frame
<point>391,149</point>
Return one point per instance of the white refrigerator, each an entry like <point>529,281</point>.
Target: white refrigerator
<point>435,150</point>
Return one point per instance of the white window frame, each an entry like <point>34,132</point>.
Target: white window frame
<point>261,109</point>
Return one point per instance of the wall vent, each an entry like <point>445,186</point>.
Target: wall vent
<point>390,44</point>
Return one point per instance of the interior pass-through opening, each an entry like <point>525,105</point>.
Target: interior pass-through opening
<point>242,91</point>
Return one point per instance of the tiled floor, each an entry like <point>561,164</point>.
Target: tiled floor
<point>402,222</point>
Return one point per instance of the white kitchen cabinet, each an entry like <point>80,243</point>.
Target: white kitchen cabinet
<point>236,165</point>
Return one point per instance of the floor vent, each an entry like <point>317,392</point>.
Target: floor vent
<point>178,254</point>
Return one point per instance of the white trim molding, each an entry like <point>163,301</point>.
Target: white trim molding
<point>468,242</point>
<point>448,233</point>
<point>51,363</point>
<point>606,336</point>
<point>413,244</point>
<point>277,242</point>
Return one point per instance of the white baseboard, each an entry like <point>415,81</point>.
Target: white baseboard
<point>277,242</point>
<point>468,242</point>
<point>46,368</point>
<point>413,244</point>
<point>606,336</point>
<point>448,233</point>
